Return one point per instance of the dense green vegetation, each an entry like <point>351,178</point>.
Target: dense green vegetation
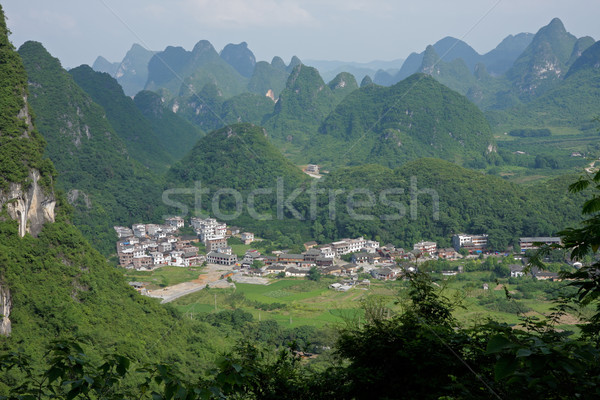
<point>417,117</point>
<point>20,146</point>
<point>105,186</point>
<point>175,134</point>
<point>143,143</point>
<point>302,106</point>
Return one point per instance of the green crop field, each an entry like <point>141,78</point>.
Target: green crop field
<point>163,276</point>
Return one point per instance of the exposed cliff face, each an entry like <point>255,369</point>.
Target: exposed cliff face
<point>31,207</point>
<point>5,309</point>
<point>28,203</point>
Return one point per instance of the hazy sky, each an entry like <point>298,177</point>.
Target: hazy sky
<point>77,31</point>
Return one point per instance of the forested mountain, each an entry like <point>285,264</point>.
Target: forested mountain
<point>269,77</point>
<point>175,134</point>
<point>431,199</point>
<point>143,143</point>
<point>54,285</point>
<point>105,186</point>
<point>240,57</point>
<point>240,158</point>
<point>573,102</point>
<point>544,61</point>
<point>417,117</point>
<point>300,109</point>
<point>177,72</point>
<point>237,156</point>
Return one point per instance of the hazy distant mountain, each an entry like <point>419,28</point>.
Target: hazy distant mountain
<point>240,58</point>
<point>329,69</point>
<point>500,59</point>
<point>497,61</point>
<point>177,72</point>
<point>103,65</point>
<point>132,73</point>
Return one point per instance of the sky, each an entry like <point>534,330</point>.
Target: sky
<point>78,31</point>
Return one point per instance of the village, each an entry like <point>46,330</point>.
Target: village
<point>146,247</point>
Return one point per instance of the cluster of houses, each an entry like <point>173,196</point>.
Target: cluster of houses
<point>148,246</point>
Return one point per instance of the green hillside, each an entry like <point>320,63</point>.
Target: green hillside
<point>268,77</point>
<point>237,156</point>
<point>417,117</point>
<point>431,199</point>
<point>105,186</point>
<point>175,134</point>
<point>143,143</point>
<point>55,285</point>
<point>300,109</point>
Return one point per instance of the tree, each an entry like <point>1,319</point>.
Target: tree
<point>314,274</point>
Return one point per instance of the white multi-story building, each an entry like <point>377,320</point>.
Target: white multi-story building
<point>426,247</point>
<point>470,242</point>
<point>157,257</point>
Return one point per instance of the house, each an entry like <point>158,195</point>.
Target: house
<point>327,251</point>
<point>275,268</point>
<point>350,269</point>
<point>447,254</point>
<point>312,169</point>
<point>215,243</point>
<point>546,276</point>
<point>247,237</point>
<point>164,247</point>
<point>123,232</point>
<point>312,254</point>
<point>290,258</point>
<point>516,270</point>
<point>222,259</point>
<point>310,245</point>
<point>529,243</point>
<point>426,247</point>
<point>469,242</point>
<point>142,262</point>
<point>362,257</point>
<point>296,272</point>
<point>139,230</point>
<point>332,270</point>
<point>176,222</point>
<point>323,261</point>
<point>251,256</point>
<point>234,230</point>
<point>157,257</point>
<point>384,273</point>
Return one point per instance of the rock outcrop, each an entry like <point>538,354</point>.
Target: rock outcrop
<point>5,309</point>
